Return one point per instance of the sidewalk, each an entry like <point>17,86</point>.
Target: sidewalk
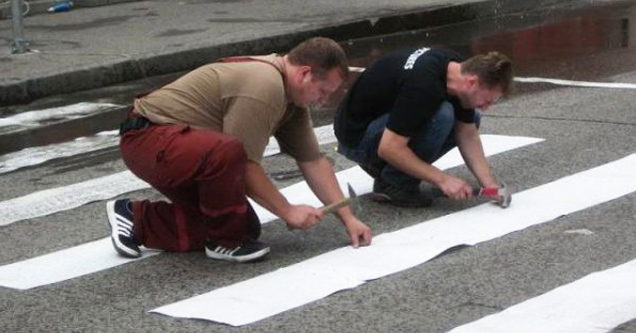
<point>92,47</point>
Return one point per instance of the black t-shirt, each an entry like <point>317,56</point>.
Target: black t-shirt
<point>410,84</point>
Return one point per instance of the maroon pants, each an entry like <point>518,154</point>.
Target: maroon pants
<point>202,173</point>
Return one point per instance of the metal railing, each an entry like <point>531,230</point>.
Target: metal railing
<point>20,45</point>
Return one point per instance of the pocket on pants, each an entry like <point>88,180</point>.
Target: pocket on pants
<point>151,153</point>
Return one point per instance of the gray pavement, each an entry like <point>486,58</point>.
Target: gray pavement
<point>451,290</point>
<point>91,47</point>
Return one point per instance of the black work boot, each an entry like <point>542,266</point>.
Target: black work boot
<point>401,196</point>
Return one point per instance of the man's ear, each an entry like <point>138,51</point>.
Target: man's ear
<point>472,81</point>
<point>305,74</point>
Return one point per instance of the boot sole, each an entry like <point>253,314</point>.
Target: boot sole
<point>258,255</point>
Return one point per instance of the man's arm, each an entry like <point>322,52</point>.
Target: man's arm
<point>472,151</point>
<point>323,183</point>
<point>261,189</point>
<point>394,150</point>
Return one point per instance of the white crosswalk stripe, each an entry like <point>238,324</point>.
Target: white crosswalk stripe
<point>594,304</point>
<point>72,196</point>
<point>20,275</point>
<point>346,268</point>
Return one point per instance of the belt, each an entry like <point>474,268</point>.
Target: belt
<point>133,123</point>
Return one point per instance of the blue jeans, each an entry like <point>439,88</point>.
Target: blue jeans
<point>430,143</point>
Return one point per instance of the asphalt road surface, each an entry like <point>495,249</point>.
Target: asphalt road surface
<point>583,128</point>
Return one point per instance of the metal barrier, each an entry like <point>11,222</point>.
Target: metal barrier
<point>20,45</point>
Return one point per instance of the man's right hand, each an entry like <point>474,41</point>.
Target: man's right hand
<point>456,188</point>
<point>302,217</point>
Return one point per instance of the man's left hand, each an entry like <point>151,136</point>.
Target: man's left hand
<point>359,232</point>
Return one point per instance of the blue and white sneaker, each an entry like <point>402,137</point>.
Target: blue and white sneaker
<point>120,219</point>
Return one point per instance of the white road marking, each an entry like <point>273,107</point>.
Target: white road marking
<point>596,303</point>
<point>251,300</point>
<point>587,84</point>
<point>37,271</point>
<point>36,155</point>
<point>58,199</point>
<point>40,117</point>
<point>561,82</point>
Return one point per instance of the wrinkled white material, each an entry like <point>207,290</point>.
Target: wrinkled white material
<point>405,248</point>
<point>24,275</point>
<point>596,303</point>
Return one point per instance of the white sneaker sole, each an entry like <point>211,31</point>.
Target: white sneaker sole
<point>246,258</point>
<point>114,236</point>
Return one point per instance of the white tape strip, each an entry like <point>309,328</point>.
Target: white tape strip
<point>251,300</point>
<point>58,199</point>
<point>37,272</point>
<point>594,304</point>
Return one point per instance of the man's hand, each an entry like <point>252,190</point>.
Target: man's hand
<point>323,182</point>
<point>359,232</point>
<point>455,188</point>
<point>302,217</point>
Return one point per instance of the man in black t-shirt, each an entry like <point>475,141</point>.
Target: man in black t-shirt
<point>411,107</point>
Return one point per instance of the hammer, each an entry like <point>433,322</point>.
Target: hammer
<point>337,205</point>
<point>501,195</point>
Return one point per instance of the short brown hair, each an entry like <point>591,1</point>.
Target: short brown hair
<point>493,69</point>
<point>322,55</point>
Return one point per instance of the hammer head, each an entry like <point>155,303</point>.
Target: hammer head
<point>500,194</point>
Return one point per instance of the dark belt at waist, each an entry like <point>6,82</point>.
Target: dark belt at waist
<point>133,123</point>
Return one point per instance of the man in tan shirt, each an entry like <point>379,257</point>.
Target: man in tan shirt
<point>200,141</point>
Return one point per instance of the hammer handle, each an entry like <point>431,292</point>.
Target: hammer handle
<point>335,206</point>
<point>438,193</point>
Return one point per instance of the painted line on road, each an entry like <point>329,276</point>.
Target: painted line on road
<point>37,155</point>
<point>63,265</point>
<point>58,199</point>
<point>587,84</point>
<point>41,117</point>
<point>561,82</point>
<point>596,303</point>
<point>37,272</point>
<point>345,268</point>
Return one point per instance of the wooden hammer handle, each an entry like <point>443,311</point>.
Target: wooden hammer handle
<point>335,206</point>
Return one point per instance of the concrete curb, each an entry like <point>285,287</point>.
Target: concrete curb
<point>158,64</point>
